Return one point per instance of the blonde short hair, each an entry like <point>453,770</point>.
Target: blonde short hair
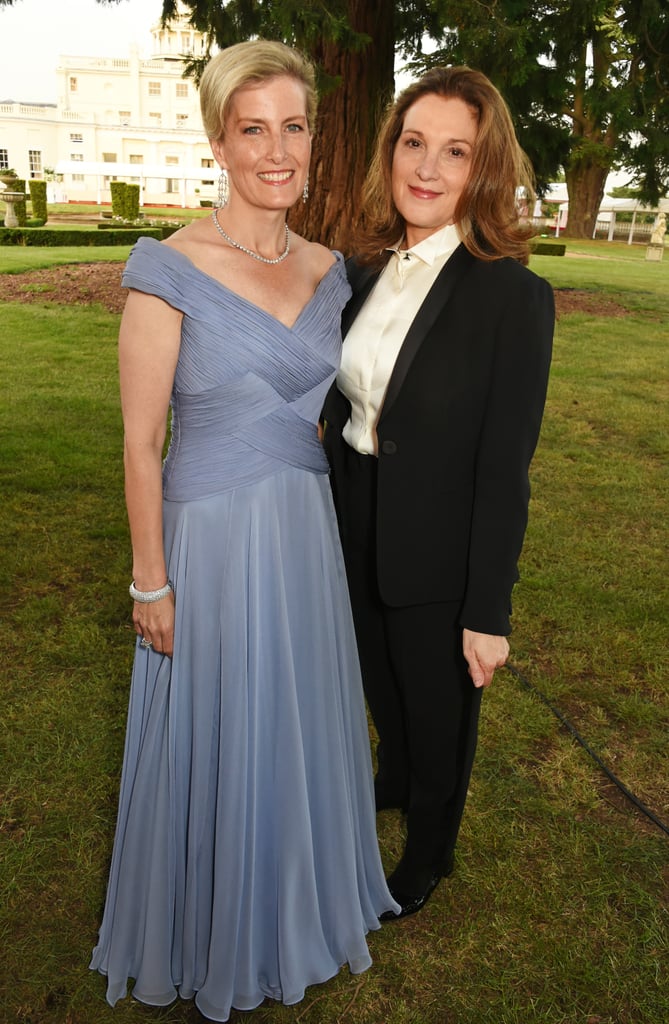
<point>254,61</point>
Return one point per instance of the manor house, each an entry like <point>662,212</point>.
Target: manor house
<point>131,119</point>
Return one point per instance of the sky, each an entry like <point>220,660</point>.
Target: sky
<point>35,33</point>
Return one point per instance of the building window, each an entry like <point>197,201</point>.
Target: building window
<point>155,120</point>
<point>35,162</point>
<point>4,160</point>
<point>109,158</point>
<point>76,137</point>
<point>73,84</point>
<point>78,157</point>
<point>124,117</point>
<point>135,158</point>
<point>172,184</point>
<point>77,177</point>
<point>185,44</point>
<point>172,161</point>
<point>182,120</point>
<point>182,90</point>
<point>154,88</point>
<point>206,162</point>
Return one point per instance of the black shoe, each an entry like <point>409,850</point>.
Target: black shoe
<point>410,903</point>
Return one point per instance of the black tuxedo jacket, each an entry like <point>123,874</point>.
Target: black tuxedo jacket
<point>457,431</point>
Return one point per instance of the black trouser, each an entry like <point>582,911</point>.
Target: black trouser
<point>421,697</point>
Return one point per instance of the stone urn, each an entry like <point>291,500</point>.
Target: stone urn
<point>10,198</point>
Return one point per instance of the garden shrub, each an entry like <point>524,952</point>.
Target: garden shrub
<point>75,236</point>
<point>131,202</point>
<point>117,189</point>
<point>20,208</point>
<point>542,248</point>
<point>125,201</point>
<point>165,229</point>
<point>38,200</point>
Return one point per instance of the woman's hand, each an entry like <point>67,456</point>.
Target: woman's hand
<point>155,622</point>
<point>484,653</point>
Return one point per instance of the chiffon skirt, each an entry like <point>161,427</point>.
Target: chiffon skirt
<point>245,862</point>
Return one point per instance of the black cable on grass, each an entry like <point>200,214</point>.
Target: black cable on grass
<point>577,736</point>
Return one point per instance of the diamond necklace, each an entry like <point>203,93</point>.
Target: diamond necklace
<point>250,252</point>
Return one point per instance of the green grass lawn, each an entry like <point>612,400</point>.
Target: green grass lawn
<point>557,911</point>
<point>17,259</point>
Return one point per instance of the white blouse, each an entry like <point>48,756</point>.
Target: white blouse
<point>375,338</point>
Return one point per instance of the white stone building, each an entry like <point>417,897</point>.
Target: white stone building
<point>127,119</point>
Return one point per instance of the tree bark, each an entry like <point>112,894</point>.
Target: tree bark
<point>585,188</point>
<point>348,118</point>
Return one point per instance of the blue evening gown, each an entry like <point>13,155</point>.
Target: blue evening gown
<point>245,862</point>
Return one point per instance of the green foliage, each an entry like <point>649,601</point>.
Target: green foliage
<point>305,25</point>
<point>131,201</point>
<point>125,200</point>
<point>74,236</point>
<point>165,229</point>
<point>20,208</point>
<point>118,190</point>
<point>38,200</point>
<point>586,83</point>
<point>541,248</point>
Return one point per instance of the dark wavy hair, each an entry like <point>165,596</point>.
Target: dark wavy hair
<point>487,212</point>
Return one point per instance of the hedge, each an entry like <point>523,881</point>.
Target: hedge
<point>125,199</point>
<point>32,222</point>
<point>547,248</point>
<point>38,200</point>
<point>20,208</point>
<point>166,229</point>
<point>76,236</point>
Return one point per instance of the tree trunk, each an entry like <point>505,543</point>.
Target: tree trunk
<point>585,188</point>
<point>348,118</point>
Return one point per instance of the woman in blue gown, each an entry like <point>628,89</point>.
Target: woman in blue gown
<point>245,861</point>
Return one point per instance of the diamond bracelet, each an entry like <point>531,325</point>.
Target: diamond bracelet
<point>149,596</point>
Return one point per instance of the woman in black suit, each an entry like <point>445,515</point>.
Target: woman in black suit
<point>430,430</point>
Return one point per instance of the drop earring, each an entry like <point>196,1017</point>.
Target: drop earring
<point>305,190</point>
<point>223,189</point>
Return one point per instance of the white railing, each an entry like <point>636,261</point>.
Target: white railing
<point>28,110</point>
<point>70,63</point>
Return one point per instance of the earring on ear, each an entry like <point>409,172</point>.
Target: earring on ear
<point>223,188</point>
<point>305,190</point>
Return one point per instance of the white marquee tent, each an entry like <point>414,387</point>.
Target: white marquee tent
<point>557,193</point>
